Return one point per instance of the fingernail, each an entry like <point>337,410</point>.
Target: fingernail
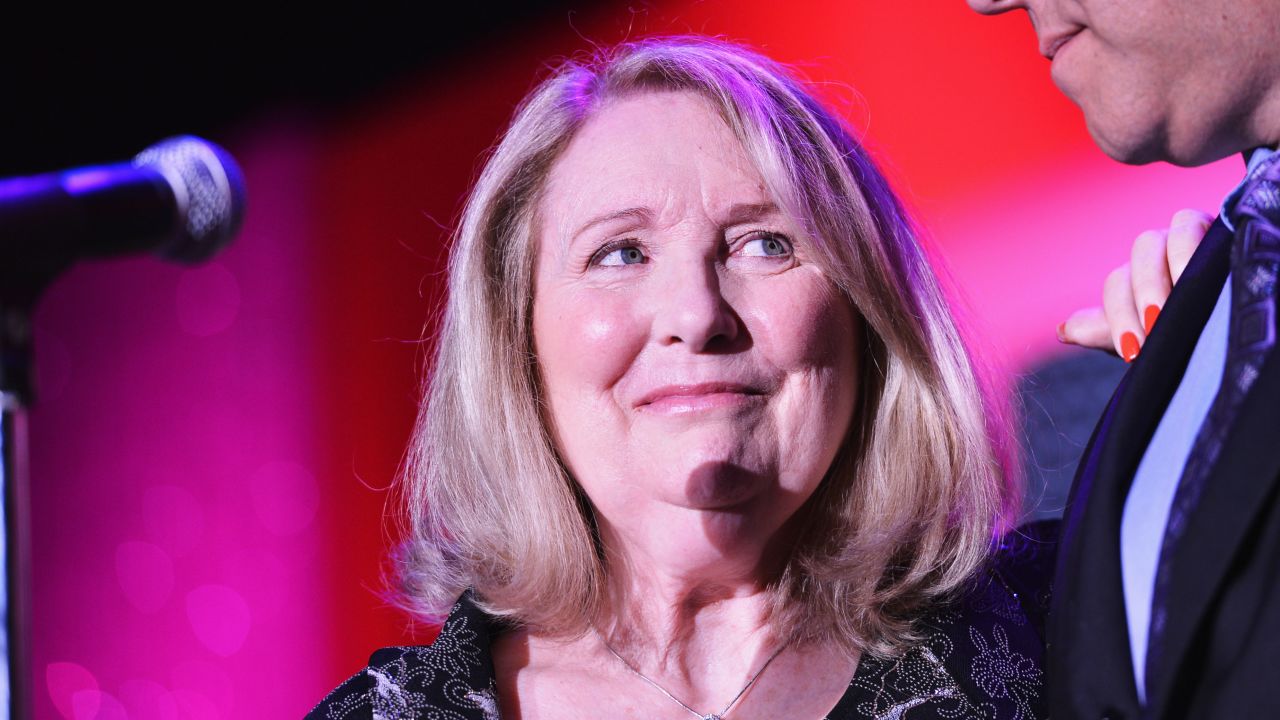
<point>1149,318</point>
<point>1129,346</point>
<point>1062,332</point>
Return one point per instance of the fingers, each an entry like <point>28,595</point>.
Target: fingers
<point>1185,233</point>
<point>1087,328</point>
<point>1122,314</point>
<point>1149,274</point>
<point>1134,294</point>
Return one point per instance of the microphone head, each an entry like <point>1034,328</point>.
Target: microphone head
<point>209,190</point>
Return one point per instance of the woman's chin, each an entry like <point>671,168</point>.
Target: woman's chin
<point>719,486</point>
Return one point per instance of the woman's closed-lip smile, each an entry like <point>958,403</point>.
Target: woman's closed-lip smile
<point>684,398</point>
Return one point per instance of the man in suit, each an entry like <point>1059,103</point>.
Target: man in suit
<point>1167,592</point>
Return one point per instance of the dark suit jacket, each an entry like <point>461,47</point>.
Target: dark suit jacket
<point>1221,654</point>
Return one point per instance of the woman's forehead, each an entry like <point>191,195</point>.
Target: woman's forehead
<point>654,151</point>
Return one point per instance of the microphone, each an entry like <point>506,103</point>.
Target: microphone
<point>182,199</point>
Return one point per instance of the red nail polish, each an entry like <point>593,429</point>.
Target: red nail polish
<point>1129,346</point>
<point>1062,332</point>
<point>1149,318</point>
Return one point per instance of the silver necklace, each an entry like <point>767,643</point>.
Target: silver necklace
<point>710,716</point>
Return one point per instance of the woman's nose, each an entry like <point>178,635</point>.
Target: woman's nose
<point>691,309</point>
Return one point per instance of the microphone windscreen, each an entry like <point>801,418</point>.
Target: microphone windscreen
<point>210,193</point>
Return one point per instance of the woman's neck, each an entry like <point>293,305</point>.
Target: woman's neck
<point>669,625</point>
<point>667,619</point>
<point>700,631</point>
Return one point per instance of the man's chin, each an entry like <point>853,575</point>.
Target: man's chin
<point>1118,136</point>
<point>1129,147</point>
<point>1148,145</point>
<point>1128,154</point>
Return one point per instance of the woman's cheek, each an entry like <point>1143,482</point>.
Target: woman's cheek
<point>588,340</point>
<point>585,345</point>
<point>807,326</point>
<point>809,333</point>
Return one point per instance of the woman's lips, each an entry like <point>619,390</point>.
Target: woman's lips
<point>681,399</point>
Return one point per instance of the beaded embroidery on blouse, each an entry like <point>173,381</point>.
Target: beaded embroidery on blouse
<point>450,679</point>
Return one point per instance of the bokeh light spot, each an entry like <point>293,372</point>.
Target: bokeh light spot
<point>285,496</point>
<point>97,705</point>
<point>64,680</point>
<point>148,700</point>
<point>219,617</point>
<point>208,300</point>
<point>145,574</point>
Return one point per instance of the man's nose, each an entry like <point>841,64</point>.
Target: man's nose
<point>995,7</point>
<point>691,309</point>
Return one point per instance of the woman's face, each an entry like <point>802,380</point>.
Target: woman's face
<point>698,366</point>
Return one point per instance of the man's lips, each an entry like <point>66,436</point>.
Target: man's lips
<point>1053,45</point>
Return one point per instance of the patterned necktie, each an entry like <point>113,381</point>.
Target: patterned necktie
<point>1255,259</point>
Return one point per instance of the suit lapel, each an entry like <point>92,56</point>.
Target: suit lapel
<point>1235,492</point>
<point>1091,626</point>
<point>1087,648</point>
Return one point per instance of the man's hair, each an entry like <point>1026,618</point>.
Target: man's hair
<point>919,489</point>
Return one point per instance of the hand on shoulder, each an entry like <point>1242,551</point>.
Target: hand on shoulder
<point>1134,293</point>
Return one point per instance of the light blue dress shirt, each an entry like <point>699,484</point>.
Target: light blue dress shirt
<point>1146,510</point>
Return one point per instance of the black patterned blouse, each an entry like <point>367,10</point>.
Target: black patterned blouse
<point>982,658</point>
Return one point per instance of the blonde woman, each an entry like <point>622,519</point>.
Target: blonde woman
<point>701,438</point>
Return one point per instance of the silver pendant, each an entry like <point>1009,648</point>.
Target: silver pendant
<point>712,716</point>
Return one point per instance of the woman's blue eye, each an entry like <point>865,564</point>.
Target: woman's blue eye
<point>625,255</point>
<point>767,245</point>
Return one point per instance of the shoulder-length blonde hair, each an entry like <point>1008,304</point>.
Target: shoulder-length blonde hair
<point>909,508</point>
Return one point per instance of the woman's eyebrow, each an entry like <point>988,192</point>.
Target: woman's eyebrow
<point>639,214</point>
<point>737,213</point>
<point>746,212</point>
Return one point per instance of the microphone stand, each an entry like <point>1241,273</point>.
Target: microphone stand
<point>184,198</point>
<point>15,398</point>
<point>21,285</point>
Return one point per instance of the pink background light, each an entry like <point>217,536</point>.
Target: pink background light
<point>211,446</point>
